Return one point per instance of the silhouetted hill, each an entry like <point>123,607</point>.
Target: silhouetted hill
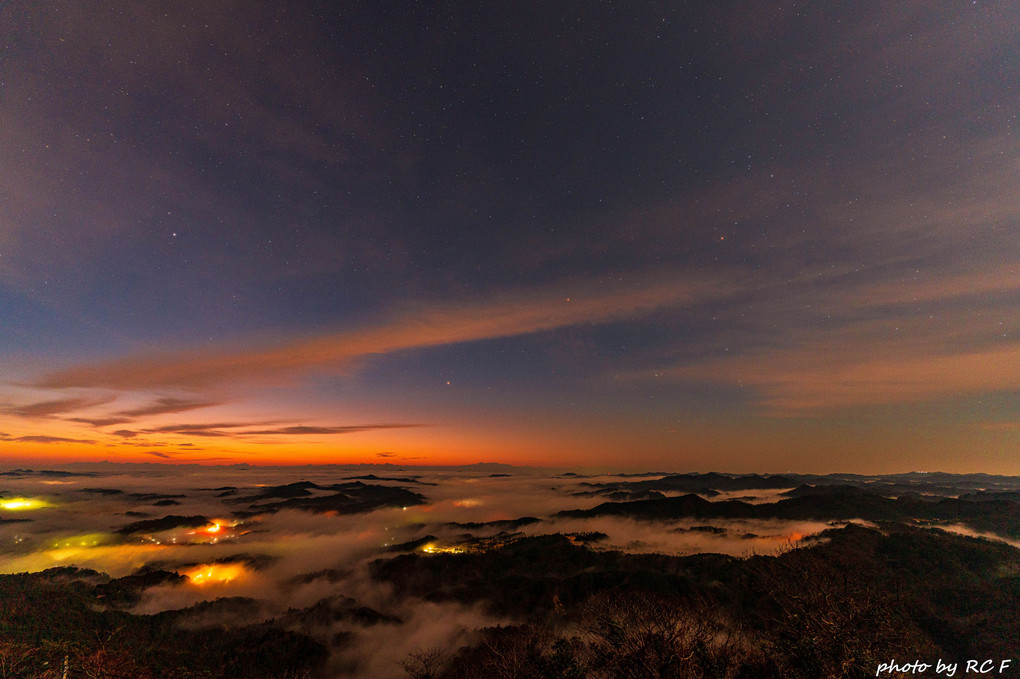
<point>127,591</point>
<point>840,505</point>
<point>290,490</point>
<point>399,479</point>
<point>700,483</point>
<point>502,524</point>
<point>982,495</point>
<point>807,489</point>
<point>356,497</point>
<point>325,613</point>
<point>824,503</point>
<point>684,506</point>
<point>412,545</point>
<point>168,522</point>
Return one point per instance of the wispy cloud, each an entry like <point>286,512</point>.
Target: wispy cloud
<point>100,421</point>
<point>206,430</point>
<point>175,457</point>
<point>188,428</point>
<point>1004,279</point>
<point>50,439</point>
<point>875,342</point>
<point>1001,426</point>
<point>434,326</point>
<point>167,405</point>
<point>43,409</point>
<point>794,383</point>
<point>240,429</point>
<point>350,429</point>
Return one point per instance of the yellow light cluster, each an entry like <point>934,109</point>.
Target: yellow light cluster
<point>87,540</point>
<point>432,548</point>
<point>17,504</point>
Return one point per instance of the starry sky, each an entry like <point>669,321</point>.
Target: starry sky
<point>736,236</point>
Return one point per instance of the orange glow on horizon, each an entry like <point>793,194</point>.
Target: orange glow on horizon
<point>656,441</point>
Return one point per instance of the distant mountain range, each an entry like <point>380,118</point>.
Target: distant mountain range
<point>882,499</point>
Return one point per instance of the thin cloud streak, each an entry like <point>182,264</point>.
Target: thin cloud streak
<point>1004,280</point>
<point>45,409</point>
<point>792,383</point>
<point>430,328</point>
<point>351,429</point>
<point>100,421</point>
<point>165,406</point>
<point>880,343</point>
<point>1001,426</point>
<point>50,439</point>
<point>191,428</point>
<point>215,429</point>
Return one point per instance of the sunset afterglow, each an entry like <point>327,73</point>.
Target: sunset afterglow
<point>525,339</point>
<point>701,242</point>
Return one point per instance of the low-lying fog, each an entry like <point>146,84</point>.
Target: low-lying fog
<point>293,558</point>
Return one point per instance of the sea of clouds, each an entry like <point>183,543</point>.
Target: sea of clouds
<point>292,559</point>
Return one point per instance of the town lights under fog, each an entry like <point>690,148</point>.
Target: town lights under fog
<point>215,573</point>
<point>215,531</point>
<point>433,548</point>
<point>16,504</point>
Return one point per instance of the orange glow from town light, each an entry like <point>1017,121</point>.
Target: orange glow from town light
<point>220,574</point>
<point>217,529</point>
<point>433,548</point>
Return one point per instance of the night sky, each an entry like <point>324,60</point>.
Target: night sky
<point>733,236</point>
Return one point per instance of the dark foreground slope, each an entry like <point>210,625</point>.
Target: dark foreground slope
<point>60,613</point>
<point>852,599</point>
<point>834,606</point>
